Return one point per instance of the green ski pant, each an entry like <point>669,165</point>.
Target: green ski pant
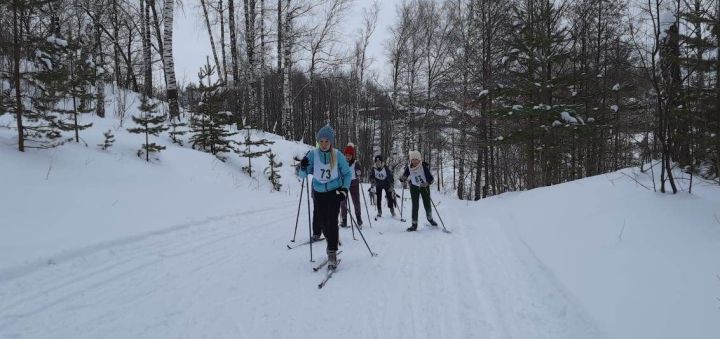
<point>415,193</point>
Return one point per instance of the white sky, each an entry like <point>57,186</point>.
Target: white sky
<point>191,44</point>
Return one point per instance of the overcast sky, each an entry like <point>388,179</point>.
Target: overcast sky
<point>191,44</point>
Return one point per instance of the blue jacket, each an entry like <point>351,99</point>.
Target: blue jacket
<point>344,172</point>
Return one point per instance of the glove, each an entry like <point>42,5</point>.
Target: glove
<point>304,163</point>
<point>403,179</point>
<point>342,193</point>
<point>424,184</point>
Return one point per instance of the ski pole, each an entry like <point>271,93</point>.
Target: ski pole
<point>362,191</point>
<point>297,218</point>
<point>402,204</point>
<point>372,254</point>
<point>352,221</point>
<point>307,183</point>
<point>438,213</point>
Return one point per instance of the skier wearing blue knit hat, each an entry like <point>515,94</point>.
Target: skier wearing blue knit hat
<point>331,180</point>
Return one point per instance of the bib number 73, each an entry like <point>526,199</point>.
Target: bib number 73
<point>325,174</point>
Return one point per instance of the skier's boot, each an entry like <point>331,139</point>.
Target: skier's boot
<point>431,221</point>
<point>315,237</point>
<point>392,211</point>
<point>412,228</point>
<point>332,260</point>
<point>343,224</point>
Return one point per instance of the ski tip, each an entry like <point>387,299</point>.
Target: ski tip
<point>288,246</point>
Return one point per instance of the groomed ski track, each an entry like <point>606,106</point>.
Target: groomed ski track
<point>231,276</point>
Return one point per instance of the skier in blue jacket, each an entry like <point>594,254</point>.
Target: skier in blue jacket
<point>331,180</point>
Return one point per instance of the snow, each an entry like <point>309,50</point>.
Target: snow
<point>102,244</point>
<point>57,41</point>
<point>484,92</point>
<point>565,116</point>
<point>614,108</point>
<point>616,87</point>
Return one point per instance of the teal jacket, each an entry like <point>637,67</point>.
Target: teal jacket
<point>344,172</point>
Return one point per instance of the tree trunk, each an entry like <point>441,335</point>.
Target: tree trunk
<point>287,115</point>
<point>147,55</point>
<point>172,93</point>
<point>17,31</point>
<point>261,77</point>
<point>234,67</point>
<point>221,12</point>
<point>99,63</point>
<point>251,71</point>
<point>212,40</point>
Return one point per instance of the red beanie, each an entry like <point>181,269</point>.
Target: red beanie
<point>349,149</point>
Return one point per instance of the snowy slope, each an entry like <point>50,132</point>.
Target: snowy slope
<point>644,264</point>
<point>57,202</point>
<point>101,244</point>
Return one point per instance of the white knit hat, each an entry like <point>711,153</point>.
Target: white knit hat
<point>415,155</point>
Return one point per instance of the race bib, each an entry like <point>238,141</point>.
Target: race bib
<point>380,175</point>
<point>417,176</point>
<point>322,172</point>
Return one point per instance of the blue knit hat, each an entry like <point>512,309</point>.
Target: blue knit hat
<point>326,133</point>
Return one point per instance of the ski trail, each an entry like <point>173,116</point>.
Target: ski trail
<point>122,276</point>
<point>232,276</point>
<point>527,300</point>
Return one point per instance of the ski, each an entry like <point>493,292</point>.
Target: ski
<point>322,264</point>
<point>437,227</point>
<point>304,243</point>
<point>327,277</point>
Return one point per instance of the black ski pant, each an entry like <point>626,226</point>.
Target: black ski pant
<point>415,193</point>
<point>389,195</point>
<point>354,196</point>
<point>327,207</point>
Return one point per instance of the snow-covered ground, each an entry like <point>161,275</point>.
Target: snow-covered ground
<point>101,244</point>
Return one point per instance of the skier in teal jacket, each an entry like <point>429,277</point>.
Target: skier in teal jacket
<point>331,180</point>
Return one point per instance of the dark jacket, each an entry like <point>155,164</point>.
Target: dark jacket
<point>426,169</point>
<point>387,183</point>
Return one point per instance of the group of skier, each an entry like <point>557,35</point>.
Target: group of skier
<point>336,175</point>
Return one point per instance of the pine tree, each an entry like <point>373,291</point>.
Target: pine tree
<point>109,140</point>
<point>80,76</point>
<point>210,127</point>
<point>150,124</point>
<point>538,49</point>
<point>177,129</point>
<point>272,171</point>
<point>251,150</point>
<point>41,119</point>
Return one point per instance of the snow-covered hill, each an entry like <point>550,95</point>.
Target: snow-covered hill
<point>102,244</point>
<point>59,201</point>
